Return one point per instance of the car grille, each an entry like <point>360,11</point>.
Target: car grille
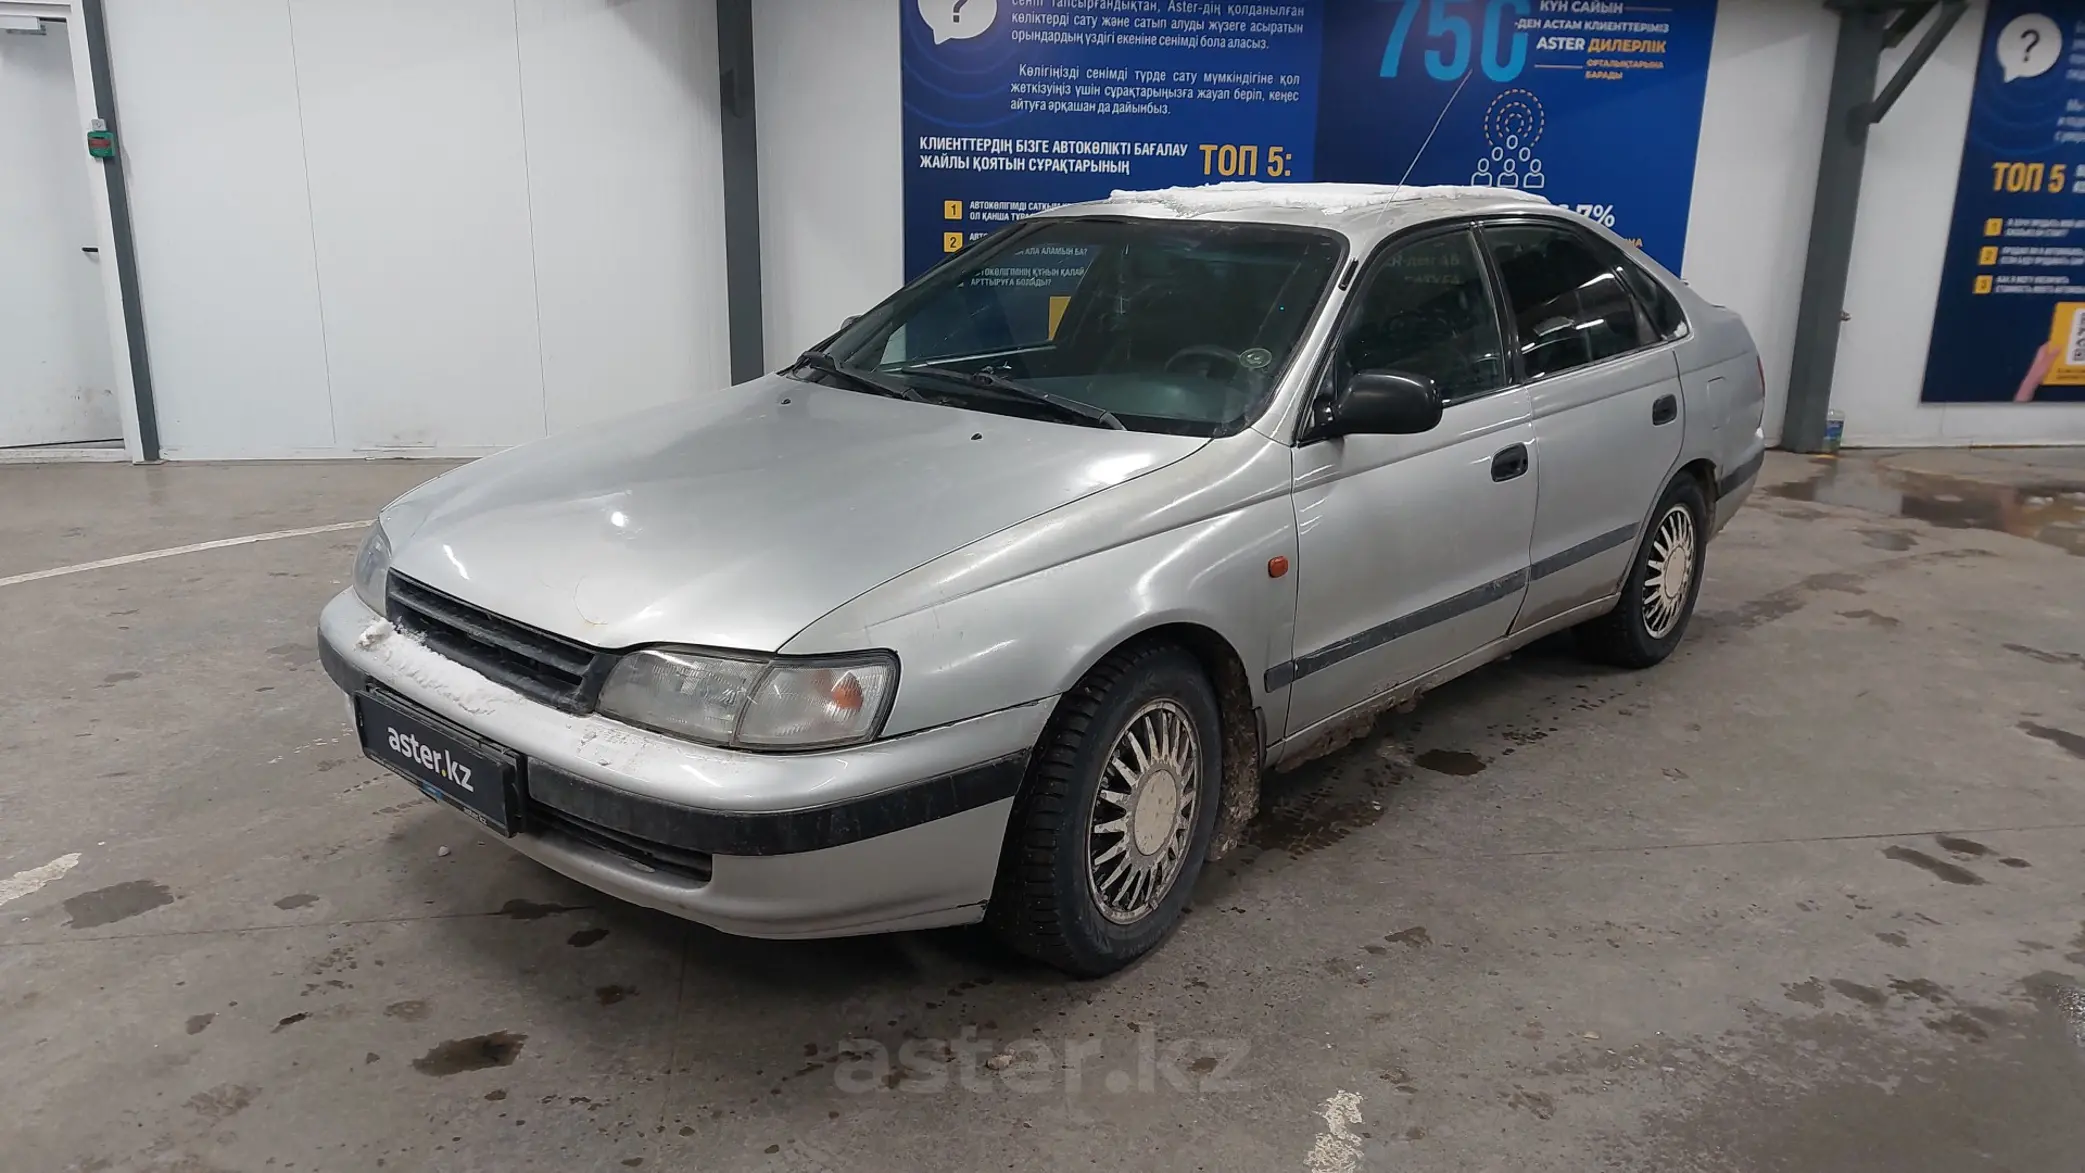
<point>545,667</point>
<point>646,854</point>
<point>627,825</point>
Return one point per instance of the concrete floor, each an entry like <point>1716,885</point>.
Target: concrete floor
<point>1810,896</point>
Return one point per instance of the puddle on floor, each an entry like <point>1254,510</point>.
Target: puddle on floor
<point>2051,512</point>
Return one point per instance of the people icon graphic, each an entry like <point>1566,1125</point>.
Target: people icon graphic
<point>1513,124</point>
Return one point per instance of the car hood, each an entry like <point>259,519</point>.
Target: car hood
<point>736,519</point>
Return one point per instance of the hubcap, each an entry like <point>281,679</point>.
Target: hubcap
<point>1670,574</point>
<point>1144,813</point>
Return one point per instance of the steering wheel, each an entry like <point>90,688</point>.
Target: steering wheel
<point>1222,354</point>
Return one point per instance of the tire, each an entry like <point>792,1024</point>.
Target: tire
<point>1649,621</point>
<point>1053,901</point>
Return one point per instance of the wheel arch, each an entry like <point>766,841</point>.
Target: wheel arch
<point>1703,470</point>
<point>1244,739</point>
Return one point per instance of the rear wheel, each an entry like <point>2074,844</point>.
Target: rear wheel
<point>1658,597</point>
<point>1114,822</point>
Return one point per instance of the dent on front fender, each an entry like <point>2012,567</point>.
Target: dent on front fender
<point>1037,635</point>
<point>1024,613</point>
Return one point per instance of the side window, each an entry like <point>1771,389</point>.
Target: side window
<point>1668,320</point>
<point>1568,305</point>
<point>1425,310</point>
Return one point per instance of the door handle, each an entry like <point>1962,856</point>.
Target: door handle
<point>89,249</point>
<point>1664,410</point>
<point>1510,463</point>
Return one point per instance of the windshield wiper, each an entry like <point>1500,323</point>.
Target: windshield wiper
<point>1000,383</point>
<point>826,364</point>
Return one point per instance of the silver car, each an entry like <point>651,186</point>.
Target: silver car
<point>997,604</point>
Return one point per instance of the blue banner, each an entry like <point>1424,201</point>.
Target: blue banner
<point>1012,106</point>
<point>2010,322</point>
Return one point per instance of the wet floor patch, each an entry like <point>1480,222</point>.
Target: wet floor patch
<point>1458,763</point>
<point>106,906</point>
<point>1329,799</point>
<point>1952,873</point>
<point>1980,1088</point>
<point>2071,659</point>
<point>2071,743</point>
<point>2050,511</point>
<point>1964,848</point>
<point>530,910</point>
<point>498,1049</point>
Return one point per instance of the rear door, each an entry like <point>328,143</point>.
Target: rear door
<point>1605,396</point>
<point>1412,550</point>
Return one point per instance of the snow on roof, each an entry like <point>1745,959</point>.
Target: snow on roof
<point>1328,198</point>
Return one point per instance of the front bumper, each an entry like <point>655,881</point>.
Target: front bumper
<point>898,834</point>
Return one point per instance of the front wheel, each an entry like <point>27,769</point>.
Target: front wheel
<point>1658,596</point>
<point>1114,822</point>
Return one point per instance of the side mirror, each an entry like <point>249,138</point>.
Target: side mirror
<point>1384,403</point>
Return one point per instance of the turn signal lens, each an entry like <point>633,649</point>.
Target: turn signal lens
<point>812,706</point>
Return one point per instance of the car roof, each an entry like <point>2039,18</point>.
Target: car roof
<point>1356,209</point>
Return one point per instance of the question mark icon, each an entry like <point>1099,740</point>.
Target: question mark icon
<point>2019,46</point>
<point>955,15</point>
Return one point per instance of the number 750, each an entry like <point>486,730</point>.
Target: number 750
<point>1505,47</point>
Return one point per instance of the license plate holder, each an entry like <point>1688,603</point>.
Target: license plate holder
<point>448,764</point>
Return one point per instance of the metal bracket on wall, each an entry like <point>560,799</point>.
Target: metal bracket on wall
<point>1866,29</point>
<point>740,146</point>
<point>95,20</point>
<point>1894,35</point>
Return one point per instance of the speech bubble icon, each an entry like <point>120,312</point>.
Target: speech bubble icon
<point>2028,46</point>
<point>959,20</point>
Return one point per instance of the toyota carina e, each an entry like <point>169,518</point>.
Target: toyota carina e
<point>995,605</point>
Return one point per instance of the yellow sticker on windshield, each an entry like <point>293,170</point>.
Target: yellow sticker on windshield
<point>1057,307</point>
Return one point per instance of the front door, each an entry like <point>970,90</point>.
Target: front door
<point>1605,389</point>
<point>56,377</point>
<point>1412,550</point>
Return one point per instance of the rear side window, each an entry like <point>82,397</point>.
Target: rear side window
<point>1568,304</point>
<point>1668,320</point>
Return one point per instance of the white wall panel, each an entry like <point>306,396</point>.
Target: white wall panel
<point>831,164</point>
<point>420,209</point>
<point>1762,126</point>
<point>626,181</point>
<point>57,381</point>
<point>1907,199</point>
<point>213,151</point>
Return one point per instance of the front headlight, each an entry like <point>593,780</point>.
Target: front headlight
<point>753,703</point>
<point>373,567</point>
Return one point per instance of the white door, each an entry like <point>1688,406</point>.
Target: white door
<point>56,376</point>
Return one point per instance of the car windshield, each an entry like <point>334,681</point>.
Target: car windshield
<point>1151,325</point>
